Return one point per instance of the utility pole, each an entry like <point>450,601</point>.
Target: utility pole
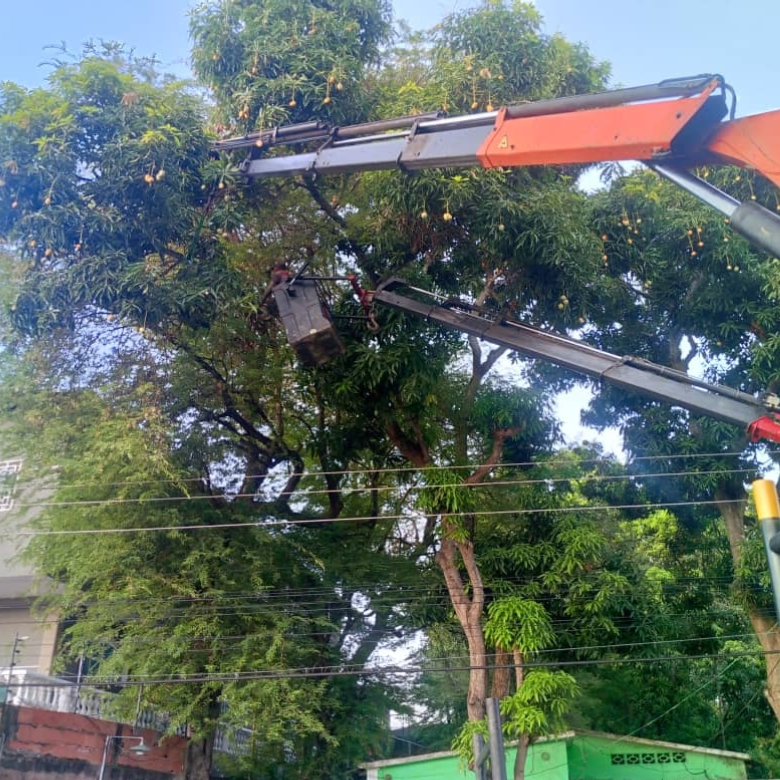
<point>497,753</point>
<point>481,753</point>
<point>6,693</point>
<point>768,511</point>
<point>495,749</point>
<point>18,640</point>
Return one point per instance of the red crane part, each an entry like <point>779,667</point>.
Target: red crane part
<point>642,131</point>
<point>752,142</point>
<point>765,429</point>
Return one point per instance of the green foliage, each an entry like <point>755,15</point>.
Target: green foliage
<point>447,492</point>
<point>487,56</point>
<point>539,705</point>
<point>104,179</point>
<point>537,708</point>
<point>288,61</point>
<point>767,754</point>
<point>118,218</point>
<point>463,744</point>
<point>520,624</point>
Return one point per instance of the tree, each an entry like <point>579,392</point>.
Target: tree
<point>127,285</point>
<point>144,266</point>
<point>470,233</point>
<point>697,298</point>
<point>553,586</point>
<point>127,223</point>
<point>695,676</point>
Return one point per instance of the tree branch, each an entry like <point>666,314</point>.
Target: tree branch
<point>499,439</point>
<point>337,219</point>
<point>416,452</point>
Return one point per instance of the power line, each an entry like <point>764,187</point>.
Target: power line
<point>344,670</point>
<point>401,592</point>
<point>680,702</point>
<point>760,690</point>
<point>406,489</point>
<point>143,642</point>
<point>262,524</point>
<point>586,478</point>
<point>625,624</point>
<point>414,469</point>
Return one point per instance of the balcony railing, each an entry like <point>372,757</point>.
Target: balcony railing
<point>30,689</point>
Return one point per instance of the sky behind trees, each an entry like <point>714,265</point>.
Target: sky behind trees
<point>644,43</point>
<point>662,40</point>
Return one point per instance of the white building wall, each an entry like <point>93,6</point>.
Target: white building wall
<point>19,583</point>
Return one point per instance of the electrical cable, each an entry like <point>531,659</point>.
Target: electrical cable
<point>347,491</point>
<point>321,521</point>
<point>344,670</point>
<point>401,593</point>
<point>140,641</point>
<point>414,469</point>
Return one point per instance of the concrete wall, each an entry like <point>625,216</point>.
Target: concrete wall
<point>632,759</point>
<point>43,745</point>
<point>581,756</point>
<point>545,761</point>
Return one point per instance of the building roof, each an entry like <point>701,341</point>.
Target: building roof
<point>568,736</point>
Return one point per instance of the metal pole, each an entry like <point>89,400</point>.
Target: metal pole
<point>617,97</point>
<point>758,225</point>
<point>480,754</point>
<point>700,189</point>
<point>17,641</point>
<point>497,753</point>
<point>105,754</point>
<point>140,750</point>
<point>768,510</point>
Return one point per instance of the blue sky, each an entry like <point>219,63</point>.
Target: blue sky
<point>645,42</point>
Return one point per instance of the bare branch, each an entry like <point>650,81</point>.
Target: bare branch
<point>499,440</point>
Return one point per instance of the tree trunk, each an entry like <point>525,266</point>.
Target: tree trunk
<point>766,628</point>
<point>733,514</point>
<point>522,754</point>
<point>519,668</point>
<point>501,675</point>
<point>200,754</point>
<point>452,553</point>
<point>524,741</point>
<point>469,614</point>
<point>769,638</point>
<point>469,610</point>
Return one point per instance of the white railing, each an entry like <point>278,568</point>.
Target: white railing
<point>30,689</point>
<point>232,741</point>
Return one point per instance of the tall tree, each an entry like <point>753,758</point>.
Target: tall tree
<point>697,298</point>
<point>526,233</point>
<point>144,267</point>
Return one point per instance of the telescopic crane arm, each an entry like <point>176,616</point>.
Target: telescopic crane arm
<point>313,336</point>
<point>671,126</point>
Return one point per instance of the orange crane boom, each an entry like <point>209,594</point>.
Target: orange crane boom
<point>671,126</point>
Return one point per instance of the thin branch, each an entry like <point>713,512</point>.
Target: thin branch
<point>499,440</point>
<point>337,219</point>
